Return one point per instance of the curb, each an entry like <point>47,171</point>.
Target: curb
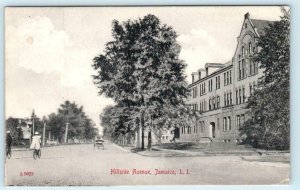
<point>120,147</point>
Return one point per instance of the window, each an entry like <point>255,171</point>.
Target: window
<point>225,79</point>
<point>200,106</point>
<point>238,122</point>
<point>250,48</point>
<point>210,85</point>
<point>230,77</point>
<point>243,68</point>
<point>236,97</point>
<point>214,102</point>
<point>202,86</point>
<point>240,70</point>
<point>224,123</point>
<point>251,72</point>
<point>218,101</point>
<point>217,82</point>
<point>243,52</point>
<point>209,106</point>
<point>229,123</point>
<point>230,98</point>
<point>240,96</point>
<point>225,100</point>
<point>194,92</point>
<point>244,96</point>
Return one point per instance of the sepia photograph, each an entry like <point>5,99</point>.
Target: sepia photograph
<point>147,95</point>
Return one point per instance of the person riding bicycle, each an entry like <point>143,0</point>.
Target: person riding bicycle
<point>8,142</point>
<point>36,142</point>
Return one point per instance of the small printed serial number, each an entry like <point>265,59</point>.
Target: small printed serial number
<point>26,173</point>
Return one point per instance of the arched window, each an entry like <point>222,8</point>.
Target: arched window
<point>243,52</point>
<point>250,48</point>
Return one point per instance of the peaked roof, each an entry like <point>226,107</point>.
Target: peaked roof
<point>260,25</point>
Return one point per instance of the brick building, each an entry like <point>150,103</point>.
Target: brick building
<point>220,90</point>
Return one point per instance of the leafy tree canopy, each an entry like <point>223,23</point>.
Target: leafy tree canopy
<point>269,123</point>
<point>140,70</point>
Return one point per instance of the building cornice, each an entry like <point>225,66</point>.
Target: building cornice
<point>211,75</point>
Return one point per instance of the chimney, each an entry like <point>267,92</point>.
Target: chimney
<point>194,76</point>
<point>247,15</point>
<point>201,73</point>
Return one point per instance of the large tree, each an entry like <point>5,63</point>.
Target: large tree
<point>269,122</point>
<point>140,70</point>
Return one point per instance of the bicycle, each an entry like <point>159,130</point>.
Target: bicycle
<point>37,154</point>
<point>8,152</point>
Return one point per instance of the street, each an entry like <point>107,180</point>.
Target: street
<point>82,165</point>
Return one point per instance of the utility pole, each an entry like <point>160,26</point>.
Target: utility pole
<point>44,131</point>
<point>33,116</point>
<point>66,133</point>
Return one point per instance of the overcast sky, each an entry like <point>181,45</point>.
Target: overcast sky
<point>49,51</point>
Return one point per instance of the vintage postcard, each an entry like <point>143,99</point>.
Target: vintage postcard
<point>172,95</point>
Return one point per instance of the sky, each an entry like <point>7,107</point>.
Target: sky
<point>49,51</point>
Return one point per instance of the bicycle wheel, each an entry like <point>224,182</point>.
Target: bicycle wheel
<point>40,153</point>
<point>8,155</point>
<point>35,154</point>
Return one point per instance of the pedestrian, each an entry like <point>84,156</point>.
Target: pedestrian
<point>8,142</point>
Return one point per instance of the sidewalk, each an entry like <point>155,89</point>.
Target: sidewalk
<point>250,155</point>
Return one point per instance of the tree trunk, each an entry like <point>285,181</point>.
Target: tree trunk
<point>138,142</point>
<point>143,135</point>
<point>149,140</point>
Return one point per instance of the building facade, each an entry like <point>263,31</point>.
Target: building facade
<point>220,91</point>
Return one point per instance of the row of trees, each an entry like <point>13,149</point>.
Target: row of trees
<point>140,70</point>
<point>80,126</point>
